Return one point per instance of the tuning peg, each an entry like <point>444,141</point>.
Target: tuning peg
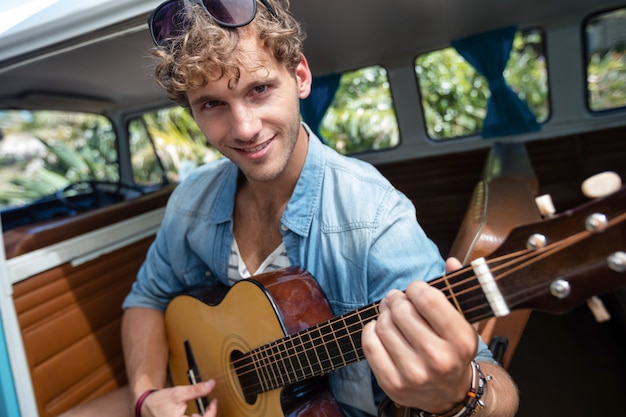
<point>601,184</point>
<point>545,205</point>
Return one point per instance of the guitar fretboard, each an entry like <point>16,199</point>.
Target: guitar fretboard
<point>336,343</point>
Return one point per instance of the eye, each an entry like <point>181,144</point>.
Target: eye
<point>260,89</point>
<point>212,104</point>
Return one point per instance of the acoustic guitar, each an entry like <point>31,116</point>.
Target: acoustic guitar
<point>270,341</point>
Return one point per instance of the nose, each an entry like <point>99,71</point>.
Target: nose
<point>246,123</point>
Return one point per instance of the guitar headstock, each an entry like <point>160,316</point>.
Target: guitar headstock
<point>558,263</point>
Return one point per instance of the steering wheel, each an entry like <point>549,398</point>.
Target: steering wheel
<point>104,193</point>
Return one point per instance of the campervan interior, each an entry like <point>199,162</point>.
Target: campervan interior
<point>472,108</point>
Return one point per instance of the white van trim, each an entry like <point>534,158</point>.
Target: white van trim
<point>85,247</point>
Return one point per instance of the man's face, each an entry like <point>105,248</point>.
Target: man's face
<point>255,121</point>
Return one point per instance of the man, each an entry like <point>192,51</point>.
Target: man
<point>279,198</point>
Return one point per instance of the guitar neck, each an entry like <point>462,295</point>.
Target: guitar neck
<point>336,343</point>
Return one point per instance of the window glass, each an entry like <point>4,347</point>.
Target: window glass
<point>361,117</point>
<point>44,151</point>
<point>165,145</point>
<point>454,95</point>
<point>606,60</point>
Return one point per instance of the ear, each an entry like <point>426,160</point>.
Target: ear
<point>303,78</point>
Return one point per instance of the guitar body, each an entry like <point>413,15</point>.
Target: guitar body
<point>251,313</point>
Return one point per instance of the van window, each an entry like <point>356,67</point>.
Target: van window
<point>454,95</point>
<point>42,152</point>
<point>165,145</point>
<point>361,117</point>
<point>605,43</point>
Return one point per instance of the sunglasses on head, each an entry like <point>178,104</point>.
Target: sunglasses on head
<point>167,21</point>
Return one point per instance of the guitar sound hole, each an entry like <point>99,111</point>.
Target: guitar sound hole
<point>247,376</point>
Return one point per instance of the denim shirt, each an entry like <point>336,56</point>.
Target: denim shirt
<point>345,224</point>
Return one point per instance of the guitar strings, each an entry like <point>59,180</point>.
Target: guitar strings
<point>270,367</point>
<point>270,377</point>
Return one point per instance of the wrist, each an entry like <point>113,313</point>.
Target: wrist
<point>473,401</point>
<point>140,401</point>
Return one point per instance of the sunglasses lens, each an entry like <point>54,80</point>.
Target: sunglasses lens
<point>231,12</point>
<point>167,22</point>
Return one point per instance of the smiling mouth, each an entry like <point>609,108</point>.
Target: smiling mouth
<point>256,148</point>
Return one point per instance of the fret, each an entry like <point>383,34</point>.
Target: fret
<point>287,360</point>
<point>301,356</point>
<point>339,332</point>
<point>349,338</point>
<point>292,355</point>
<point>261,370</point>
<point>448,287</point>
<point>309,344</point>
<point>463,290</point>
<point>281,364</point>
<point>368,313</point>
<point>321,350</point>
<point>334,350</point>
<point>271,367</point>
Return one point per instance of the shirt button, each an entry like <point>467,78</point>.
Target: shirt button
<point>283,228</point>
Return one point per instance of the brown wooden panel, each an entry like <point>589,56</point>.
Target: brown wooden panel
<point>70,319</point>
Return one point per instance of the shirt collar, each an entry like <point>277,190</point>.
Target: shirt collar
<point>303,202</point>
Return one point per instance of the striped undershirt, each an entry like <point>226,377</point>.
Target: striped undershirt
<point>237,269</point>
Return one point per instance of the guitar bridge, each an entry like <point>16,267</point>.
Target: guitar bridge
<point>193,373</point>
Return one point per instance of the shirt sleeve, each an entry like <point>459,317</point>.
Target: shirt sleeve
<point>400,253</point>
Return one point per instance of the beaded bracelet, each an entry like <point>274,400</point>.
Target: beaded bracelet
<point>473,402</point>
<point>140,401</point>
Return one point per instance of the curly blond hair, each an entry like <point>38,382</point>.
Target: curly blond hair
<point>208,52</point>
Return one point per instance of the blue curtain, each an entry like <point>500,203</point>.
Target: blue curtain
<point>314,107</point>
<point>488,53</point>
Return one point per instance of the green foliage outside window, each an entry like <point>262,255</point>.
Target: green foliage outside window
<point>361,117</point>
<point>175,137</point>
<point>454,95</point>
<point>606,60</point>
<point>42,151</point>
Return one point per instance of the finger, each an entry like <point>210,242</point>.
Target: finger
<point>388,297</point>
<point>376,354</point>
<point>211,411</point>
<point>187,393</point>
<point>452,264</point>
<point>406,340</point>
<point>442,318</point>
<point>404,332</point>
